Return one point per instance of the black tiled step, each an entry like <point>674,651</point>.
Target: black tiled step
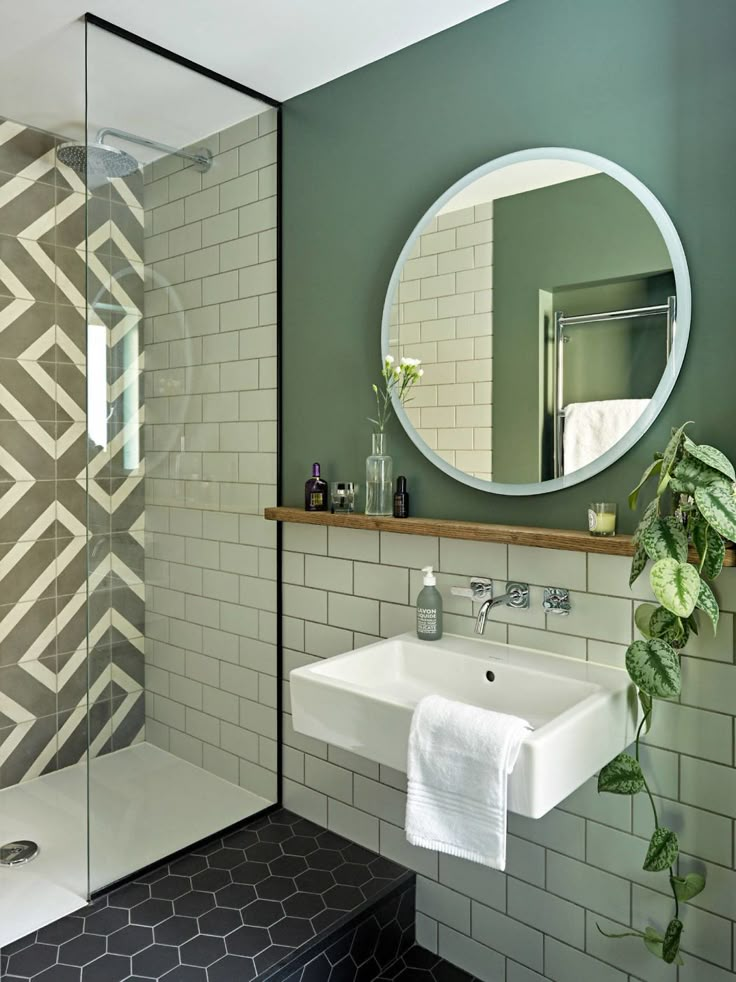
<point>419,965</point>
<point>262,903</point>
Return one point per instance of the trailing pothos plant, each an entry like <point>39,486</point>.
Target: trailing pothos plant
<point>694,506</point>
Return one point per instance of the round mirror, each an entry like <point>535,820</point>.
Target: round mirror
<point>547,296</point>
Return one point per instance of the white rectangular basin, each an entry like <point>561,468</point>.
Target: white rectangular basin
<point>583,714</point>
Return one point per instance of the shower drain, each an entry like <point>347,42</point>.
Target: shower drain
<point>17,853</point>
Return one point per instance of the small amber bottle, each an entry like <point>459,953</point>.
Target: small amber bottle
<point>401,499</point>
<point>315,492</point>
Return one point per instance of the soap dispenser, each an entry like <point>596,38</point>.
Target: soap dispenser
<point>429,608</point>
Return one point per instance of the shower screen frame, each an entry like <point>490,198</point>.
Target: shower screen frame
<point>92,20</point>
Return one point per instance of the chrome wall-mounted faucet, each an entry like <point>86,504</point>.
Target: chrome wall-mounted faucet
<point>556,601</point>
<point>517,595</point>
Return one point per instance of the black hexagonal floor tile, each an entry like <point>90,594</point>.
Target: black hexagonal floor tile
<point>275,888</point>
<point>58,973</point>
<point>106,921</point>
<point>325,859</point>
<point>203,950</point>
<point>237,895</point>
<point>247,941</point>
<point>82,950</point>
<point>60,931</point>
<point>176,930</point>
<point>314,881</point>
<point>129,895</point>
<point>108,968</point>
<point>226,858</point>
<point>303,905</point>
<point>195,903</point>
<point>352,874</point>
<point>153,962</point>
<point>128,940</point>
<point>262,913</point>
<point>250,873</point>
<point>170,887</point>
<point>292,932</point>
<point>220,921</point>
<point>151,912</point>
<point>232,967</point>
<point>299,845</point>
<point>343,898</point>
<point>185,973</point>
<point>210,880</point>
<point>231,909</point>
<point>287,865</point>
<point>188,865</point>
<point>30,961</point>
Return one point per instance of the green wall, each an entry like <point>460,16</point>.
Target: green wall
<point>649,85</point>
<point>591,230</point>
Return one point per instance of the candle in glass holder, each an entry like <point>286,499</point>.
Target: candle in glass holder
<point>602,518</point>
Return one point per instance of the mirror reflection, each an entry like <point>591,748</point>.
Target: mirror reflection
<point>541,300</point>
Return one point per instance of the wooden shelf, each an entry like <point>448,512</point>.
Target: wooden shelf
<point>515,535</point>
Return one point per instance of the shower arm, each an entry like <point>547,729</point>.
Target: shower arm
<point>202,160</point>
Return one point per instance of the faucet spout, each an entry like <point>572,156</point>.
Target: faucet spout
<point>487,605</point>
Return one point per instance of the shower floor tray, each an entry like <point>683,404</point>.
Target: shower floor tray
<point>145,804</point>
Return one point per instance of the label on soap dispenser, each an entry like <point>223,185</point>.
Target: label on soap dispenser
<point>426,620</point>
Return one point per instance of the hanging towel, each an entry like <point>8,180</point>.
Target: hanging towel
<point>591,428</point>
<point>459,761</point>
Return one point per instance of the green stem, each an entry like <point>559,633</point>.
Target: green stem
<point>654,811</point>
<point>646,785</point>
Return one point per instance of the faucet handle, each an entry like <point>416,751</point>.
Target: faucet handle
<point>480,589</point>
<point>557,601</point>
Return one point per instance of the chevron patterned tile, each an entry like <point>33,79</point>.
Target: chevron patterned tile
<point>71,548</point>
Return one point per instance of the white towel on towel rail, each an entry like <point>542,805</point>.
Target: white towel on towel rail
<point>591,428</point>
<point>459,760</point>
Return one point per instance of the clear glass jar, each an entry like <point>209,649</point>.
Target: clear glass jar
<point>379,479</point>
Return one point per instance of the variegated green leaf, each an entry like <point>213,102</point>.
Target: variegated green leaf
<point>647,706</point>
<point>671,943</point>
<point>654,667</point>
<point>665,537</point>
<point>650,513</point>
<point>717,505</point>
<point>676,585</point>
<point>711,457</point>
<point>642,616</point>
<point>655,943</point>
<point>710,547</point>
<point>688,886</point>
<point>666,626</point>
<point>708,604</point>
<point>622,776</point>
<point>690,474</point>
<point>662,852</point>
<point>638,562</point>
<point>654,468</point>
<point>670,456</point>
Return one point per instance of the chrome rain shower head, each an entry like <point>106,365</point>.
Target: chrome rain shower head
<point>99,160</point>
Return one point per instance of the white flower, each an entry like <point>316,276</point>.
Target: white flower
<point>421,372</point>
<point>390,359</point>
<point>397,372</point>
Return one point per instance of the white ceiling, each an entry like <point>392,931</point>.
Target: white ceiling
<point>278,47</point>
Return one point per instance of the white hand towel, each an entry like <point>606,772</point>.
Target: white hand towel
<point>591,428</point>
<point>459,761</point>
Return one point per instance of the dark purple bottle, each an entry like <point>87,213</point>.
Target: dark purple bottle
<point>315,492</point>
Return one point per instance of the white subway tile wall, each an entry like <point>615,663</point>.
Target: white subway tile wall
<point>211,434</point>
<point>444,315</point>
<point>581,865</point>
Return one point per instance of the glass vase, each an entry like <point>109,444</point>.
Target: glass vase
<point>379,479</point>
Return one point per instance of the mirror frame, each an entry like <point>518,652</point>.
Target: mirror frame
<point>680,338</point>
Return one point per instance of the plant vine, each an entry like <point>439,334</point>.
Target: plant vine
<point>694,508</point>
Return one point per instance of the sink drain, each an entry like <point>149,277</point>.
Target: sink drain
<point>17,853</point>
